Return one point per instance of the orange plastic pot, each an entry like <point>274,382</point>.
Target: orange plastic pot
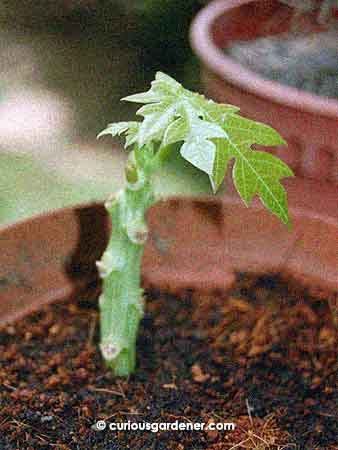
<point>193,244</point>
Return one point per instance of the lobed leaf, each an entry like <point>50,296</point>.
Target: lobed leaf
<point>222,158</point>
<point>248,131</point>
<point>208,135</point>
<point>259,173</point>
<point>116,129</point>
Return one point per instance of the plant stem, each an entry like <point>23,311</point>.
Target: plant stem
<point>121,301</point>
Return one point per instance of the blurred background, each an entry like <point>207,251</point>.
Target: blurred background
<point>64,65</point>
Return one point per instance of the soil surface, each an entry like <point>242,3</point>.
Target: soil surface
<point>307,62</point>
<point>263,357</point>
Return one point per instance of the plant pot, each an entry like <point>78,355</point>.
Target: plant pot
<point>55,386</point>
<point>52,256</point>
<point>308,122</point>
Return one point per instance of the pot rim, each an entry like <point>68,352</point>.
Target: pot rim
<point>226,68</point>
<point>232,197</point>
<point>44,286</point>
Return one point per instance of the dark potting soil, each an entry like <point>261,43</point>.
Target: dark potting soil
<point>307,62</point>
<point>263,356</point>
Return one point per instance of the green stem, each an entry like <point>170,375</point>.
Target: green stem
<point>121,301</point>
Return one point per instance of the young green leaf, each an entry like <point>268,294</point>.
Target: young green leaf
<point>259,172</point>
<point>209,136</point>
<point>222,158</point>
<point>246,131</point>
<point>116,129</point>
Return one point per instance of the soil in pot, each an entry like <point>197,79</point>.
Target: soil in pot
<point>262,356</point>
<point>305,61</point>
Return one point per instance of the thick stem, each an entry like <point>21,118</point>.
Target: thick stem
<point>121,301</point>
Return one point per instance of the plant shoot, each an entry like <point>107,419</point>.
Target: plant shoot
<point>189,129</point>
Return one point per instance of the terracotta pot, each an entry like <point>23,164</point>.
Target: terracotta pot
<point>194,244</point>
<point>308,122</point>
